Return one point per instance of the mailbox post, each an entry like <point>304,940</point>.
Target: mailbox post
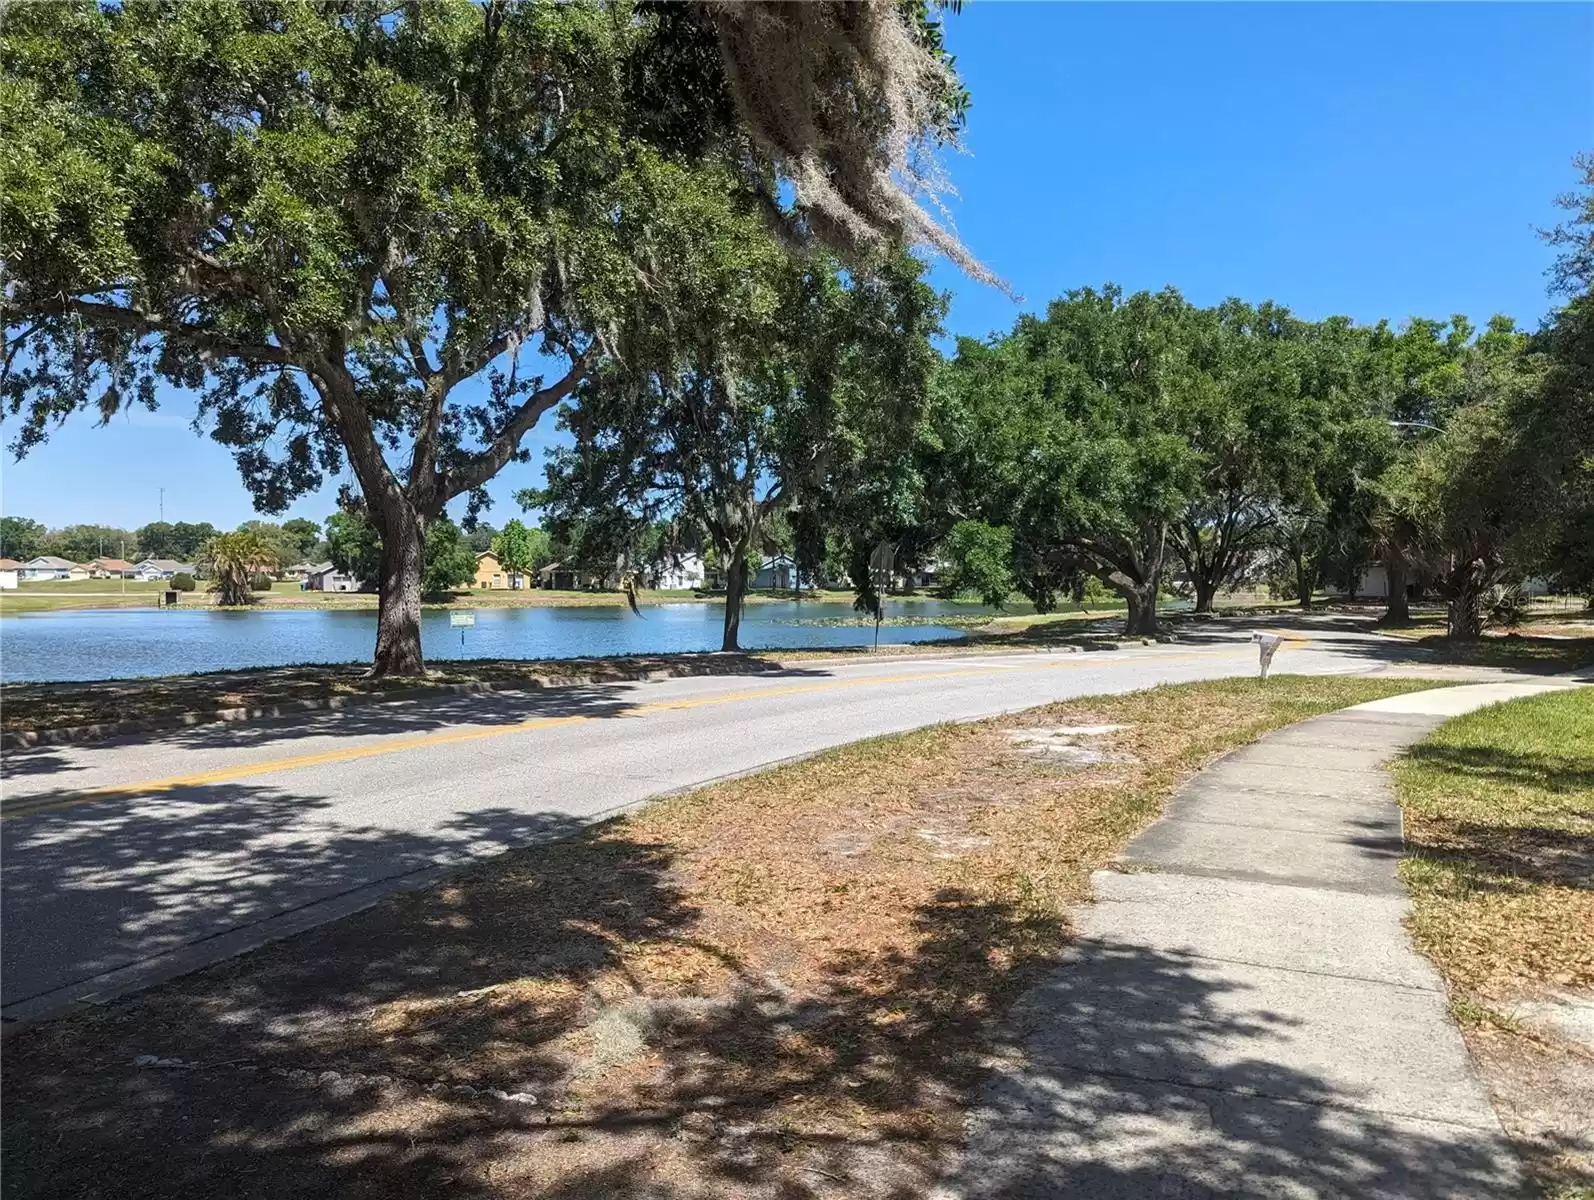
<point>1267,645</point>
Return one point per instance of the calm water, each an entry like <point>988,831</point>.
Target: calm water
<point>114,644</point>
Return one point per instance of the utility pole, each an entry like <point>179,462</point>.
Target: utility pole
<point>123,571</point>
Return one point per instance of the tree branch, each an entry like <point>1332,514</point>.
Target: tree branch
<point>210,341</point>
<point>477,470</point>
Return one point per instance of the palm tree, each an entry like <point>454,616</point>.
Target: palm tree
<point>230,559</point>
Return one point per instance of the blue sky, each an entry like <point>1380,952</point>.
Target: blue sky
<point>1375,160</point>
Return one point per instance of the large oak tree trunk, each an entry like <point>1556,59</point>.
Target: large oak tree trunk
<point>735,591</point>
<point>1206,588</point>
<point>1142,601</point>
<point>1398,609</point>
<point>398,616</point>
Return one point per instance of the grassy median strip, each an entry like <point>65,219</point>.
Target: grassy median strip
<point>782,985</point>
<point>1499,812</point>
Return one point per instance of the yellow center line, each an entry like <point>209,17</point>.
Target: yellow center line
<point>23,808</point>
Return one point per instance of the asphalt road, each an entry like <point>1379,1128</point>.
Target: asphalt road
<point>127,862</point>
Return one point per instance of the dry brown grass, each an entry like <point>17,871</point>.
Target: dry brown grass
<point>778,986</point>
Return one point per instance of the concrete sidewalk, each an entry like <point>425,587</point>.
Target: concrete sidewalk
<point>1243,1014</point>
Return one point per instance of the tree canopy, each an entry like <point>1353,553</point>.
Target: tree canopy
<point>791,374</point>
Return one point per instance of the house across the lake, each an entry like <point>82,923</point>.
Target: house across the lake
<point>490,573</point>
<point>108,568</point>
<point>680,574</point>
<point>48,566</point>
<point>324,577</point>
<point>8,573</point>
<point>777,574</point>
<point>161,568</point>
<point>558,577</point>
<point>299,572</point>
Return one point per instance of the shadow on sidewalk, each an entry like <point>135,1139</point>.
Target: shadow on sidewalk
<point>1132,1077</point>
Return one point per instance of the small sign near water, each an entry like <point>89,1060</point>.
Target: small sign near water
<point>457,619</point>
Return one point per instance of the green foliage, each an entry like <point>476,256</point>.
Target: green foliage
<point>353,545</point>
<point>450,561</point>
<point>231,560</point>
<point>281,548</point>
<point>1470,498</point>
<point>182,582</point>
<point>780,383</point>
<point>1072,432</point>
<point>260,582</point>
<point>1505,606</point>
<point>20,538</point>
<point>981,557</point>
<point>521,550</point>
<point>180,541</point>
<point>304,536</point>
<point>326,218</point>
<point>1557,422</point>
<point>81,543</point>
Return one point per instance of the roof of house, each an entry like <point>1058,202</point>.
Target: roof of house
<point>322,568</point>
<point>112,564</point>
<point>49,560</point>
<point>165,564</point>
<point>486,554</point>
<point>9,564</point>
<point>303,566</point>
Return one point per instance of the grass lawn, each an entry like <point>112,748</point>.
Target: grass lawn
<point>779,986</point>
<point>55,596</point>
<point>1499,814</point>
<point>87,586</point>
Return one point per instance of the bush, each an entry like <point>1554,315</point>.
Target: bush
<point>1094,592</point>
<point>260,582</point>
<point>1505,607</point>
<point>183,582</point>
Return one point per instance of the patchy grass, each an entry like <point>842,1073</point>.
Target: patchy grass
<point>1499,811</point>
<point>1499,818</point>
<point>1532,655</point>
<point>778,986</point>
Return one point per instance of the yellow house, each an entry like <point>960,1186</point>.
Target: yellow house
<point>490,573</point>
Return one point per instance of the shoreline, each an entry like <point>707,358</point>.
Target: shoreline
<point>24,603</point>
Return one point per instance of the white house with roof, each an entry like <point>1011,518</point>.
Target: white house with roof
<point>681,573</point>
<point>160,568</point>
<point>325,577</point>
<point>49,566</point>
<point>8,573</point>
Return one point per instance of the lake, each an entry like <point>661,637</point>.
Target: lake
<point>118,643</point>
